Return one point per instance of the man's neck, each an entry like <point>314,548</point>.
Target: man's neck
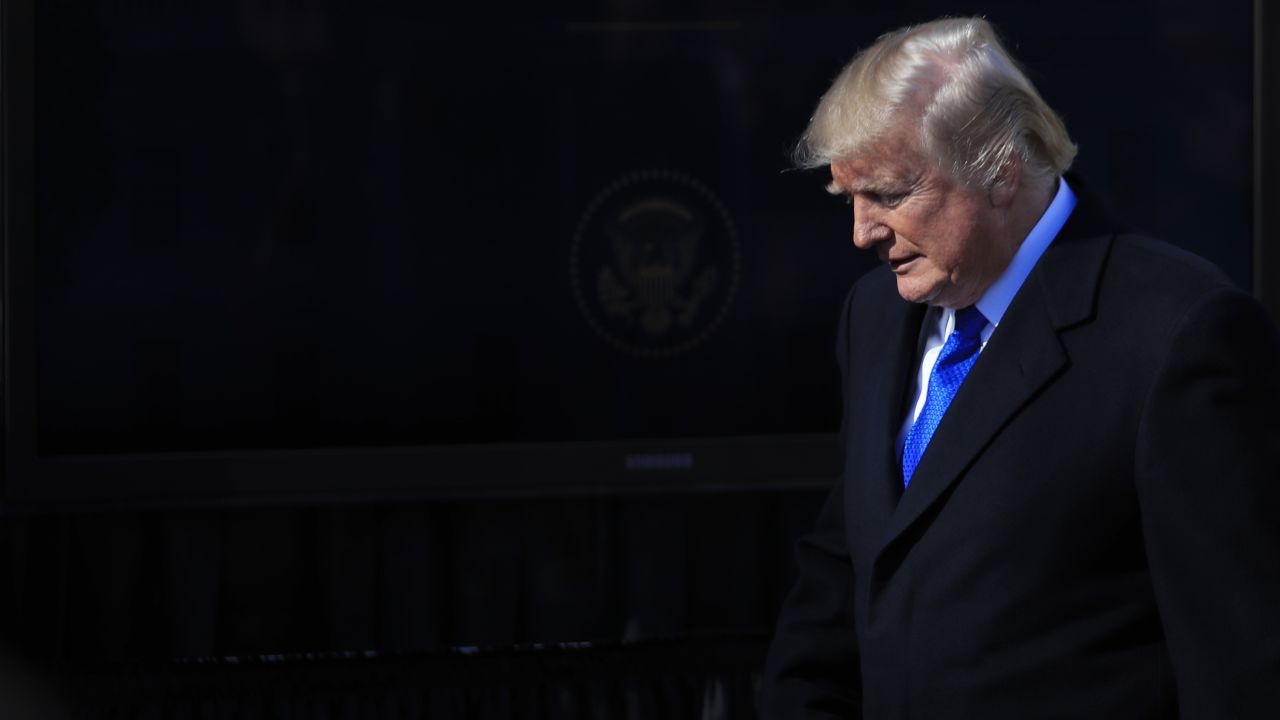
<point>1029,205</point>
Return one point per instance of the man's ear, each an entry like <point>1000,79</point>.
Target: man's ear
<point>1002,191</point>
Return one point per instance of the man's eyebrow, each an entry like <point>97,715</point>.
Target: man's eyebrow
<point>877,187</point>
<point>871,187</point>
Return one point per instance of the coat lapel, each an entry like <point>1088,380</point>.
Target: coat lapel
<point>1023,356</point>
<point>881,393</point>
<point>1014,366</point>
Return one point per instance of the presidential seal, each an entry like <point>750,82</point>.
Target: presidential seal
<point>655,263</point>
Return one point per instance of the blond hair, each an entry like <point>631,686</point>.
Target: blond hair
<point>974,106</point>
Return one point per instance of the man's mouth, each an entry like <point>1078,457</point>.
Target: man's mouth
<point>902,264</point>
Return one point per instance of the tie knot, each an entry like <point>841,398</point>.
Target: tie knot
<point>969,322</point>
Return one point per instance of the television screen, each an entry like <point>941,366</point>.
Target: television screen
<point>259,228</point>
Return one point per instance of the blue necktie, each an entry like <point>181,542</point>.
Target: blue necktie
<point>957,356</point>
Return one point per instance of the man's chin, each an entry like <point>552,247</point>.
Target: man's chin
<point>915,291</point>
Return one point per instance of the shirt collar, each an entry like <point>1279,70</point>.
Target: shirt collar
<point>996,299</point>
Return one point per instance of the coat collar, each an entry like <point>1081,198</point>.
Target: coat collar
<point>1023,356</point>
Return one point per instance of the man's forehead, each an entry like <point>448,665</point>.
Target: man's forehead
<point>891,159</point>
<point>865,172</point>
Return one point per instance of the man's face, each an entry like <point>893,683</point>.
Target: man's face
<point>945,241</point>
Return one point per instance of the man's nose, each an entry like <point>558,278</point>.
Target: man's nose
<point>868,228</point>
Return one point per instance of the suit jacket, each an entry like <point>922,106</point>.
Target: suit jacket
<point>1094,529</point>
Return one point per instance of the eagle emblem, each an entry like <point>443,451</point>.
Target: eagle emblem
<point>655,263</point>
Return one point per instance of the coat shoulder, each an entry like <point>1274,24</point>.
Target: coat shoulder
<point>1154,284</point>
<point>1151,266</point>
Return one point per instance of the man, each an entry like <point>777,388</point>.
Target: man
<point>1061,495</point>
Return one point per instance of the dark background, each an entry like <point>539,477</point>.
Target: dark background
<point>295,225</point>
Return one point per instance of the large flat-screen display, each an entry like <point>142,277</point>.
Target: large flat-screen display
<point>298,250</point>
